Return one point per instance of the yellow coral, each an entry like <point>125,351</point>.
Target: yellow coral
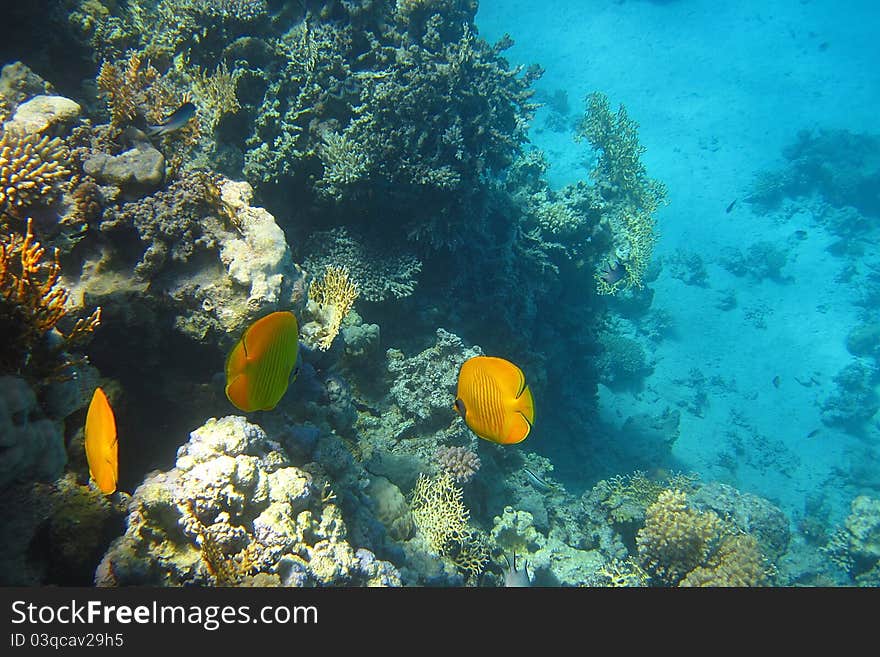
<point>126,84</point>
<point>675,539</point>
<point>216,93</point>
<point>442,518</point>
<point>31,168</point>
<point>32,301</point>
<point>631,196</point>
<point>330,300</point>
<point>686,547</point>
<point>736,562</point>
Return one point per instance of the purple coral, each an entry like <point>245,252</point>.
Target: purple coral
<point>460,462</point>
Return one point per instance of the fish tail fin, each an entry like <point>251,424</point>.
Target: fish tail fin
<point>155,130</point>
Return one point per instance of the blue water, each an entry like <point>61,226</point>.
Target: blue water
<point>719,89</point>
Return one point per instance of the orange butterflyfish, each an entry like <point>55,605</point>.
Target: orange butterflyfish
<point>494,400</point>
<point>101,443</point>
<point>258,367</point>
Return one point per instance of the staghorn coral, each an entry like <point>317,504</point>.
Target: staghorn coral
<point>32,168</point>
<point>330,300</point>
<point>460,462</point>
<point>32,303</point>
<point>442,518</point>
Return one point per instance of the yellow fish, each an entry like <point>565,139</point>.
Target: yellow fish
<point>258,367</point>
<point>494,400</point>
<point>101,443</point>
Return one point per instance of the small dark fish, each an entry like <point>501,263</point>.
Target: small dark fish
<point>730,207</point>
<point>612,273</point>
<point>813,433</point>
<point>537,482</point>
<point>514,577</point>
<point>179,118</point>
<point>776,381</point>
<point>823,46</point>
<point>800,234</point>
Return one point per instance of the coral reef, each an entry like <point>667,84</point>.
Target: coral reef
<point>681,546</point>
<point>33,167</point>
<point>32,304</point>
<point>624,185</point>
<point>234,507</point>
<point>460,462</point>
<point>841,166</point>
<point>424,384</point>
<point>330,300</point>
<point>855,401</point>
<point>380,274</point>
<point>31,445</point>
<point>442,519</point>
<point>856,546</point>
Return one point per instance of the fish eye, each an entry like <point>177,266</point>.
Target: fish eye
<point>459,406</point>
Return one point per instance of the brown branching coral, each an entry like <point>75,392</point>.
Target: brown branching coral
<point>32,301</point>
<point>127,85</point>
<point>216,93</point>
<point>32,168</point>
<point>681,546</point>
<point>675,539</point>
<point>330,300</point>
<point>631,196</point>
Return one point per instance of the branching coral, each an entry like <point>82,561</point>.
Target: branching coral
<point>216,93</point>
<point>32,167</point>
<point>442,518</point>
<point>681,546</point>
<point>128,86</point>
<point>631,196</point>
<point>675,539</point>
<point>330,300</point>
<point>32,302</point>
